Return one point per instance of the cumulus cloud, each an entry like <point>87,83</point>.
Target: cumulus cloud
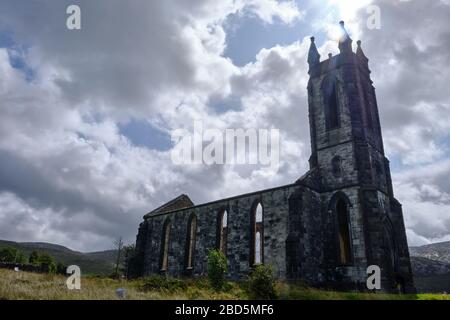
<point>64,159</point>
<point>267,10</point>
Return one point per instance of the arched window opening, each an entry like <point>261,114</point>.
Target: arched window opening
<point>345,255</point>
<point>165,246</point>
<point>258,248</point>
<point>257,256</point>
<point>223,231</point>
<point>259,213</point>
<point>336,166</point>
<point>331,105</point>
<point>192,229</point>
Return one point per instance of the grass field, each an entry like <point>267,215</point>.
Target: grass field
<point>33,286</point>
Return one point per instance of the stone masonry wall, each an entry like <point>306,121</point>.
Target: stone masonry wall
<point>276,215</point>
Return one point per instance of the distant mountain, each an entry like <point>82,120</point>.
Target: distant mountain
<point>435,251</point>
<point>101,262</point>
<point>431,267</point>
<point>426,267</point>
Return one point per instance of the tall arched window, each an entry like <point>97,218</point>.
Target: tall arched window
<point>223,231</point>
<point>331,100</point>
<point>345,255</point>
<point>190,241</point>
<point>258,248</point>
<point>165,245</point>
<point>257,244</point>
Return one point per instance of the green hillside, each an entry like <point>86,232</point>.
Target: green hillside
<point>101,262</point>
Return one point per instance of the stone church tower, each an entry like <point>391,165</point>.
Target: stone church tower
<point>327,227</point>
<point>351,168</point>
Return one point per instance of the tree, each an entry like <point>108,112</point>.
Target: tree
<point>128,255</point>
<point>118,244</point>
<point>61,268</point>
<point>217,268</point>
<point>20,257</point>
<point>34,258</point>
<point>47,263</point>
<point>12,255</point>
<point>8,255</point>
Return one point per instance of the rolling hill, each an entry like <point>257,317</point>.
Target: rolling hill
<point>101,262</point>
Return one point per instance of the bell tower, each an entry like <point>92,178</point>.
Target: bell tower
<point>343,112</point>
<point>363,221</point>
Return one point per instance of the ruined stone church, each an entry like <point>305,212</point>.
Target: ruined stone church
<point>327,227</point>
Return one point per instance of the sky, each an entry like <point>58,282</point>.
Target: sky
<point>86,115</point>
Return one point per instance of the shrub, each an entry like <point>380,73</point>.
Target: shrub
<point>34,258</point>
<point>61,268</point>
<point>8,255</point>
<point>20,258</point>
<point>217,268</point>
<point>162,283</point>
<point>47,263</point>
<point>11,255</point>
<point>261,284</point>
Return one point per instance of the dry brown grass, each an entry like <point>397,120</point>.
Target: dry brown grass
<point>33,286</point>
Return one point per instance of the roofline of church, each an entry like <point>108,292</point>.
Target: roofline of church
<point>181,196</point>
<point>149,215</point>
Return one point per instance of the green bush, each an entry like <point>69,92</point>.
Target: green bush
<point>162,283</point>
<point>217,268</point>
<point>8,255</point>
<point>12,255</point>
<point>20,258</point>
<point>261,284</point>
<point>34,258</point>
<point>47,263</point>
<point>61,268</point>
